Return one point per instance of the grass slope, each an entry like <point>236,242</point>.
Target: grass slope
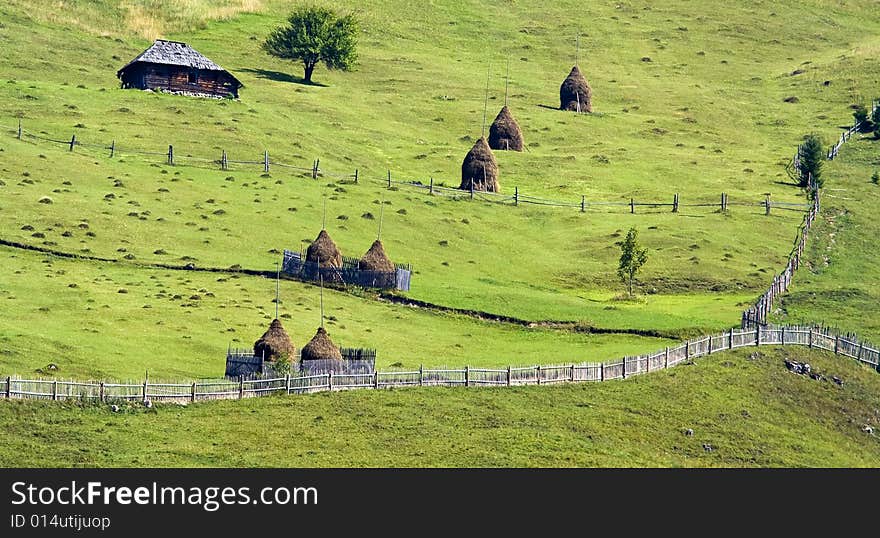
<point>749,408</point>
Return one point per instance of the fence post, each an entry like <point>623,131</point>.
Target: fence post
<point>240,386</point>
<point>101,393</point>
<point>355,175</point>
<point>19,128</point>
<point>624,368</point>
<point>632,205</point>
<point>287,382</point>
<point>687,349</point>
<point>508,376</point>
<point>583,203</point>
<point>192,393</point>
<point>376,379</point>
<point>431,188</point>
<point>516,196</point>
<point>572,373</point>
<point>861,347</point>
<point>782,336</point>
<point>836,343</point>
<point>170,154</point>
<point>8,387</point>
<point>810,340</point>
<point>389,179</point>
<point>538,373</point>
<point>767,205</point>
<point>266,161</point>
<point>145,390</point>
<point>467,376</point>
<point>72,142</point>
<point>601,371</point>
<point>723,201</point>
<point>666,358</point>
<point>330,381</point>
<point>317,168</point>
<point>112,148</point>
<point>421,374</point>
<point>55,389</point>
<point>223,164</point>
<point>710,344</point>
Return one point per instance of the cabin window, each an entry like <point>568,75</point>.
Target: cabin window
<point>192,77</point>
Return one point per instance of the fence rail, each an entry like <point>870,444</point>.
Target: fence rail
<point>846,345</point>
<point>174,157</point>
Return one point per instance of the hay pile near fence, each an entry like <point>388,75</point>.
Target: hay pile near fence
<point>376,260</point>
<point>320,348</point>
<point>504,133</point>
<point>275,343</point>
<point>479,169</point>
<point>575,93</point>
<point>324,251</point>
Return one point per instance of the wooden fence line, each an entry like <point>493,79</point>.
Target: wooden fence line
<point>846,345</point>
<point>759,313</point>
<point>173,157</point>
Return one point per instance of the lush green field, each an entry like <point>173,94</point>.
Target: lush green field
<point>115,321</point>
<point>751,411</point>
<point>690,98</point>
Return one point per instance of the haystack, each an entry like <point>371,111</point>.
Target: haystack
<point>274,343</point>
<point>480,169</point>
<point>575,93</point>
<point>324,251</point>
<point>504,133</point>
<point>320,348</point>
<point>376,260</point>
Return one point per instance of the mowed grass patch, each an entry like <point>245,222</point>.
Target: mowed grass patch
<point>744,408</point>
<point>117,321</point>
<point>528,262</point>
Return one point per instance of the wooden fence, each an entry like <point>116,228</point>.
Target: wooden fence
<point>175,157</point>
<point>193,391</point>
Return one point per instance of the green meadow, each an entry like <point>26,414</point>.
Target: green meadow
<point>690,98</point>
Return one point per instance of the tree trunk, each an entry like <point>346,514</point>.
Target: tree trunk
<point>630,284</point>
<point>309,68</point>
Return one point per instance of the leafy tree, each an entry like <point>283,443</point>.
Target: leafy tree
<point>812,159</point>
<point>313,35</point>
<point>632,258</point>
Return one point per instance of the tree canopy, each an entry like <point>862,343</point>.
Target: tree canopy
<point>811,160</point>
<point>313,35</point>
<point>632,258</point>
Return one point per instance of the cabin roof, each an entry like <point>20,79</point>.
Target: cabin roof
<point>175,53</point>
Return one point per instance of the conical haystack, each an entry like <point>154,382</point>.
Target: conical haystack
<point>575,93</point>
<point>324,251</point>
<point>320,348</point>
<point>504,133</point>
<point>480,169</point>
<point>376,260</point>
<point>275,343</point>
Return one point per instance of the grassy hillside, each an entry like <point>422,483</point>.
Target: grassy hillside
<point>839,285</point>
<point>690,98</point>
<point>748,408</point>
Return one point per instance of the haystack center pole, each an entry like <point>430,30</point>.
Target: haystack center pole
<point>507,80</point>
<point>277,287</point>
<point>321,277</point>
<point>486,101</point>
<point>381,215</point>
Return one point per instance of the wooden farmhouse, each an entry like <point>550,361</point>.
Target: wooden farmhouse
<point>172,66</point>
